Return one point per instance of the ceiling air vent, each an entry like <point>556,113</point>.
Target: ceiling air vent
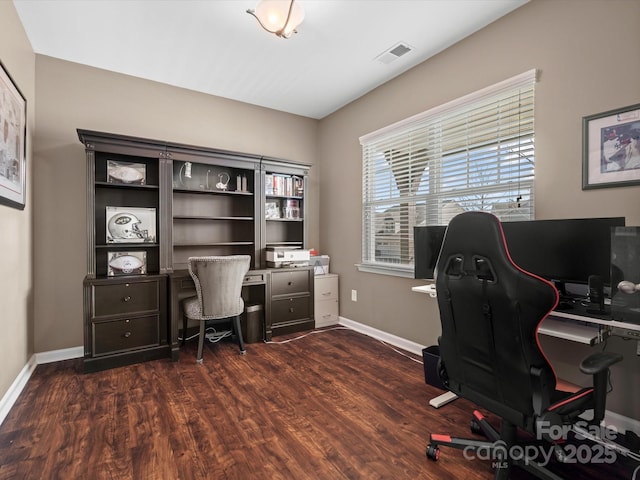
<point>394,53</point>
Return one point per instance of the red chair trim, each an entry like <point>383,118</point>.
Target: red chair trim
<point>504,241</point>
<point>440,438</point>
<point>572,398</point>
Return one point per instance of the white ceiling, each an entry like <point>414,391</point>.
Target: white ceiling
<point>214,46</point>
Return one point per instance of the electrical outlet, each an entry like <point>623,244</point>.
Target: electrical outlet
<point>354,295</point>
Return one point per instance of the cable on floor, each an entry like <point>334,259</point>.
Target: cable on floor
<point>210,334</point>
<point>189,338</point>
<point>350,329</point>
<point>214,336</point>
<point>312,332</point>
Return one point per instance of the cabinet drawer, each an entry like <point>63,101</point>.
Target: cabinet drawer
<point>325,288</point>
<point>289,309</point>
<point>284,283</point>
<point>118,335</point>
<point>326,312</point>
<point>123,298</point>
<point>253,278</point>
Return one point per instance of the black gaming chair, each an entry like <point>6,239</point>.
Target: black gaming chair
<point>490,310</point>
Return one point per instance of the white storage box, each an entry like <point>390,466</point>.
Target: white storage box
<point>320,264</point>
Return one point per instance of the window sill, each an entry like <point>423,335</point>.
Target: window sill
<point>405,272</point>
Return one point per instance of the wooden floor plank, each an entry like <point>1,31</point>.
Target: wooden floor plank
<point>332,405</point>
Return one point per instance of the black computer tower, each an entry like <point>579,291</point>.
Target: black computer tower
<point>625,267</point>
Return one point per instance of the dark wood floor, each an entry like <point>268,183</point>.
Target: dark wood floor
<point>333,405</point>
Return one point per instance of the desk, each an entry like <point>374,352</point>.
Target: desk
<point>557,325</point>
<point>254,290</point>
<point>429,289</point>
<point>576,324</point>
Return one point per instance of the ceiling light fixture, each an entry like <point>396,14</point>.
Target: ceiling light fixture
<point>280,17</point>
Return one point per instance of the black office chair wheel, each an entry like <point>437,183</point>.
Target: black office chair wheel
<point>433,452</point>
<point>475,427</point>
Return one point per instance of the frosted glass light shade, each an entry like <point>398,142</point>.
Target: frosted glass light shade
<point>272,15</point>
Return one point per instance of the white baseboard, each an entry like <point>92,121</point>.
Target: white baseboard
<point>10,397</point>
<point>59,355</point>
<point>16,388</point>
<point>621,422</point>
<point>394,340</point>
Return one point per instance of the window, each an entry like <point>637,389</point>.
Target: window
<point>475,153</point>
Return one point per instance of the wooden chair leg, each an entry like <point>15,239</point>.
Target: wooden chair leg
<point>201,341</point>
<point>238,329</point>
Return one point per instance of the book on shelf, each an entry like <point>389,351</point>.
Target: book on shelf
<point>268,184</point>
<point>283,185</point>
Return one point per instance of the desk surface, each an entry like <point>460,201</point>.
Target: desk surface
<point>428,289</point>
<point>595,320</point>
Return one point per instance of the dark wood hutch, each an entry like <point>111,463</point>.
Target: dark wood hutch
<point>150,206</point>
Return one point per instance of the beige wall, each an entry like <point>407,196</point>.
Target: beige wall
<point>587,54</point>
<point>16,280</point>
<point>72,96</point>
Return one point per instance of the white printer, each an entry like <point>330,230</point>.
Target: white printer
<point>278,257</point>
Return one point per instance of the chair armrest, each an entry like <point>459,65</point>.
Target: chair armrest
<point>599,362</point>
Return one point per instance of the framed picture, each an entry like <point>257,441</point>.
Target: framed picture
<point>126,263</point>
<point>271,209</point>
<point>13,137</point>
<point>611,148</point>
<point>124,172</point>
<point>131,225</point>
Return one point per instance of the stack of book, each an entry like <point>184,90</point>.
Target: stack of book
<point>283,185</point>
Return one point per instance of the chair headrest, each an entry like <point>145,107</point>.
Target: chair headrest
<point>473,245</point>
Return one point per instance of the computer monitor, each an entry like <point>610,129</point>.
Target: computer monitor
<point>427,241</point>
<point>564,250</point>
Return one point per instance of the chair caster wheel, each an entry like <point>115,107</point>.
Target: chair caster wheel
<point>475,427</point>
<point>433,452</point>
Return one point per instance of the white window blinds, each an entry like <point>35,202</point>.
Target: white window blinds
<point>474,153</point>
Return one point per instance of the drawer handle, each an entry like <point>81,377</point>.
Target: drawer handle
<point>126,334</point>
<point>126,299</point>
<point>326,293</point>
<point>290,283</point>
<point>291,310</point>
